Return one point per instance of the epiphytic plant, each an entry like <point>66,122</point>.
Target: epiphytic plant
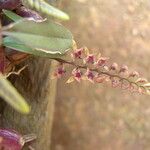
<point>37,35</point>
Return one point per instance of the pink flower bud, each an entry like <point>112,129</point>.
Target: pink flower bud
<point>77,53</point>
<point>100,79</point>
<point>60,71</point>
<point>141,80</point>
<point>114,66</point>
<point>102,61</point>
<point>123,69</point>
<point>115,82</point>
<point>90,59</point>
<point>140,90</point>
<point>125,85</point>
<point>134,74</point>
<point>90,75</point>
<point>77,74</point>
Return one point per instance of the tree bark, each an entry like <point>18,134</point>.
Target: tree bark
<point>35,85</point>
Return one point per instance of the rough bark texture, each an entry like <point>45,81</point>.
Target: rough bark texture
<point>38,89</point>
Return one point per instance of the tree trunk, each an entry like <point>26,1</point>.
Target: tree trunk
<point>35,85</point>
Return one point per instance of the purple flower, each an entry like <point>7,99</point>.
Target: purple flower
<point>134,74</point>
<point>60,71</point>
<point>114,66</point>
<point>90,59</point>
<point>77,74</point>
<point>90,75</point>
<point>77,53</point>
<point>101,61</point>
<point>123,69</point>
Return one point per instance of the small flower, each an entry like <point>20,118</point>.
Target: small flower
<point>106,68</point>
<point>59,72</point>
<point>114,66</point>
<point>123,69</point>
<point>77,74</point>
<point>141,91</point>
<point>90,75</point>
<point>77,53</point>
<point>141,80</point>
<point>134,74</point>
<point>97,70</point>
<point>115,83</point>
<point>100,79</point>
<point>125,85</point>
<point>90,59</point>
<point>102,61</point>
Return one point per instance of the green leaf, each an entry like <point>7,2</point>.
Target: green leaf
<point>44,7</point>
<point>17,45</point>
<point>47,37</point>
<point>12,97</point>
<point>11,15</point>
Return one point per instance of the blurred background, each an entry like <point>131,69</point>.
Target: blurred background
<point>98,117</point>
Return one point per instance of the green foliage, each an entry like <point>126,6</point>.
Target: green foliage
<point>42,39</point>
<point>44,7</point>
<point>10,94</point>
<point>17,45</point>
<point>45,39</point>
<point>12,97</point>
<point>12,15</point>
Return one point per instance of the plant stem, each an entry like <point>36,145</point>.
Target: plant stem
<point>111,75</point>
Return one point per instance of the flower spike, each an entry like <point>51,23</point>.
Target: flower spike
<point>100,70</point>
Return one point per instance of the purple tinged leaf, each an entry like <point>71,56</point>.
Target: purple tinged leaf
<point>11,140</point>
<point>9,4</point>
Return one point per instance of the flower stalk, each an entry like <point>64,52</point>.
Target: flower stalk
<point>98,70</point>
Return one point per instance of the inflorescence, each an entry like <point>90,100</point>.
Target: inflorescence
<point>99,70</point>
